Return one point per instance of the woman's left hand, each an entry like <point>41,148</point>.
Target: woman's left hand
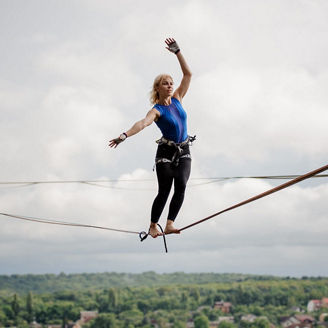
<point>115,142</point>
<point>172,45</point>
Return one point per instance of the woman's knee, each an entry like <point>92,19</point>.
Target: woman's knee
<point>163,194</point>
<point>180,189</point>
<point>180,182</point>
<point>164,190</point>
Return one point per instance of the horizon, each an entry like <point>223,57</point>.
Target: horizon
<point>78,74</point>
<point>167,273</point>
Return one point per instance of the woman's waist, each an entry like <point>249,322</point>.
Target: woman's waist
<point>166,151</point>
<point>171,142</point>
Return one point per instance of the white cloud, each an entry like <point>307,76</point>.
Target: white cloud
<point>258,95</point>
<point>252,114</point>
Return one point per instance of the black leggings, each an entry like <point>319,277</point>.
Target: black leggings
<point>166,174</point>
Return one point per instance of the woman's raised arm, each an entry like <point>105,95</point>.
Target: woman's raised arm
<point>180,92</point>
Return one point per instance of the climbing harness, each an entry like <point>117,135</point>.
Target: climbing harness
<point>178,152</point>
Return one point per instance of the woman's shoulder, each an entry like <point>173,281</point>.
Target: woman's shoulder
<point>157,110</point>
<point>157,107</point>
<point>175,99</point>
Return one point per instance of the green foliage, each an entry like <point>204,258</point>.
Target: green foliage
<point>179,324</point>
<point>226,324</point>
<point>29,308</point>
<point>129,300</point>
<point>201,321</point>
<point>15,306</point>
<point>50,283</point>
<point>133,316</point>
<point>260,323</point>
<point>104,320</point>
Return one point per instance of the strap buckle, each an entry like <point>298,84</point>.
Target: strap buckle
<point>143,235</point>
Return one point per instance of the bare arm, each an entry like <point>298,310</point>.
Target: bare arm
<point>180,92</point>
<point>151,116</point>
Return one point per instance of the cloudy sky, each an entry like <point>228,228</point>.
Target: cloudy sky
<point>76,73</point>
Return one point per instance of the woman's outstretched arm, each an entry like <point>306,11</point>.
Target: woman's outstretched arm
<point>151,116</point>
<point>180,92</point>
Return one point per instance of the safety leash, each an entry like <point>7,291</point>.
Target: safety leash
<point>143,235</point>
<point>163,234</point>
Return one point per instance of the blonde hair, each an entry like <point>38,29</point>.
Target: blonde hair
<point>154,96</point>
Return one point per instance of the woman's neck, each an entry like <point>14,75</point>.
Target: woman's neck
<point>165,101</point>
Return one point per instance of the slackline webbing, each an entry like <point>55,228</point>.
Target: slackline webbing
<point>266,193</point>
<point>48,221</point>
<point>143,234</point>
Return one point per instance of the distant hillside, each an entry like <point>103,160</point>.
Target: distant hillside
<point>139,300</point>
<point>49,283</point>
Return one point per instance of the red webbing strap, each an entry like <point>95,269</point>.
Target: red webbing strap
<point>266,193</point>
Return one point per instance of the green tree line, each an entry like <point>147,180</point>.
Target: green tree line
<point>51,283</point>
<point>174,303</point>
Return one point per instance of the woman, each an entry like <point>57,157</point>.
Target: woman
<point>173,160</point>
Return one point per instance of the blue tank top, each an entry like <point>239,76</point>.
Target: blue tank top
<point>172,121</point>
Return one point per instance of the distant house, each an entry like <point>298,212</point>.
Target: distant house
<point>305,319</point>
<point>313,305</point>
<point>248,318</point>
<point>224,307</point>
<point>226,319</point>
<point>297,321</point>
<point>85,316</point>
<point>324,302</point>
<point>288,321</point>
